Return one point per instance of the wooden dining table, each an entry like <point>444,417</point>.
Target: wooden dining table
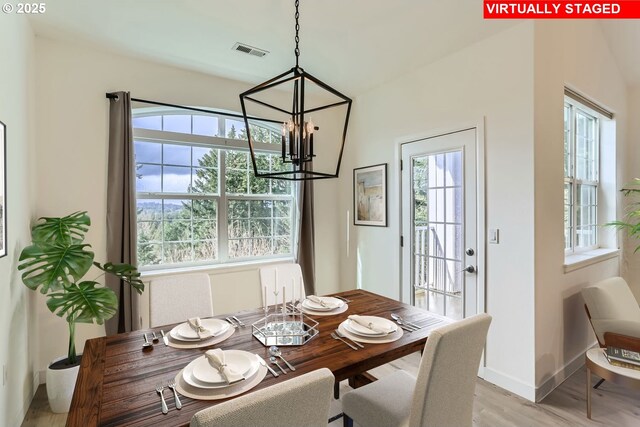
<point>117,379</point>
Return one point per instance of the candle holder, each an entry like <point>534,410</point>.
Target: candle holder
<point>290,328</point>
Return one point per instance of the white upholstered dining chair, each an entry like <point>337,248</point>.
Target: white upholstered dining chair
<point>441,395</point>
<point>289,276</point>
<point>301,402</point>
<point>177,298</point>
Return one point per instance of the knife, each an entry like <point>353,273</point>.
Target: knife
<point>242,325</point>
<point>232,322</point>
<point>263,363</point>
<point>164,338</point>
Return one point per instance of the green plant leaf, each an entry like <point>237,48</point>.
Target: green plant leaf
<point>66,230</point>
<point>126,272</point>
<point>618,224</point>
<point>632,223</point>
<point>84,302</point>
<point>54,266</point>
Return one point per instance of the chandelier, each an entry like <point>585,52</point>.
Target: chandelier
<point>313,120</point>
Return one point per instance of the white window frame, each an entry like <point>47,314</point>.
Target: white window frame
<point>223,144</point>
<point>573,181</point>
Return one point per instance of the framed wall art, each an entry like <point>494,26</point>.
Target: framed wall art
<point>3,189</point>
<point>370,195</point>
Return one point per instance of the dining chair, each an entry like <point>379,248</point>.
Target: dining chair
<point>440,396</point>
<point>177,298</point>
<point>289,276</point>
<point>302,402</point>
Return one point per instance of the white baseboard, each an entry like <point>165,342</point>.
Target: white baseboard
<point>26,405</point>
<point>42,377</point>
<point>36,381</point>
<point>561,374</point>
<point>509,383</point>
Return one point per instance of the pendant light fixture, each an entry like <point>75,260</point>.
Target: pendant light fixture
<point>314,119</point>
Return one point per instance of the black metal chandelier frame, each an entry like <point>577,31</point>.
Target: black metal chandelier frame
<point>300,150</point>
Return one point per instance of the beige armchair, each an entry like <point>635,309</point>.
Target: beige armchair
<point>614,313</point>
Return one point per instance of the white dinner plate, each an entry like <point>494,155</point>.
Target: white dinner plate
<point>370,339</point>
<point>238,360</point>
<point>215,326</point>
<point>174,334</point>
<point>237,389</point>
<point>333,303</point>
<point>187,375</point>
<point>323,313</point>
<point>379,322</point>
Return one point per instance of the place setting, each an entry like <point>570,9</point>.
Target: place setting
<point>368,330</point>
<point>322,306</point>
<point>196,333</point>
<point>219,374</point>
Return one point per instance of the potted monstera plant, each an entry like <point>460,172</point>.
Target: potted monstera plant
<point>56,262</point>
<point>632,223</point>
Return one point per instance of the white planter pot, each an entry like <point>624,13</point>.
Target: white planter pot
<point>60,385</point>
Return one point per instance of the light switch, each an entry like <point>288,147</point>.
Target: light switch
<point>494,236</point>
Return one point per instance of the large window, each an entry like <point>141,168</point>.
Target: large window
<point>197,199</point>
<point>581,176</point>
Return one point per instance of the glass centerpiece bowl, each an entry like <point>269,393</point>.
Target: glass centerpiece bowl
<point>288,328</point>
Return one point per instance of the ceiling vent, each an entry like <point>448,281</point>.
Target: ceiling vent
<point>245,48</point>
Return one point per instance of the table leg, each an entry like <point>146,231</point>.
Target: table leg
<point>588,393</point>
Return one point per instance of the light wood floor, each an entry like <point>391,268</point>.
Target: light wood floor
<point>494,407</point>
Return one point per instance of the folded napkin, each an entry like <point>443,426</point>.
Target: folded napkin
<point>216,359</point>
<point>369,325</point>
<point>196,325</point>
<point>322,302</point>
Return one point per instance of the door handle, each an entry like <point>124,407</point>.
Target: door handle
<point>468,269</point>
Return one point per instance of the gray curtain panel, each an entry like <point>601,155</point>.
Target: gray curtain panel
<point>121,212</point>
<point>307,239</point>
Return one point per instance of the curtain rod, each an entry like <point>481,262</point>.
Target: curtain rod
<point>588,102</point>
<point>200,110</point>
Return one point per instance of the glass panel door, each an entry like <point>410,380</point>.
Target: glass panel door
<point>439,254</point>
<point>437,232</point>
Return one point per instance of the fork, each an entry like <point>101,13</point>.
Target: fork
<point>159,389</point>
<point>172,385</point>
<point>335,337</point>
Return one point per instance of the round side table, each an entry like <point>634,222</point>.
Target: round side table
<point>597,363</point>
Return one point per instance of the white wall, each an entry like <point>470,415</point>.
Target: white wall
<point>511,81</point>
<point>575,54</point>
<point>631,262</point>
<point>72,153</point>
<point>492,79</point>
<point>18,323</point>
